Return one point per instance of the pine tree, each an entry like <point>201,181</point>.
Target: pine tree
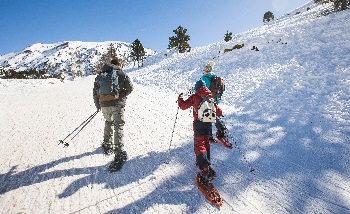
<point>338,4</point>
<point>112,53</point>
<point>137,52</point>
<point>342,4</point>
<point>228,36</point>
<point>268,16</point>
<point>180,41</point>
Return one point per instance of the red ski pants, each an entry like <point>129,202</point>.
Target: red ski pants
<point>202,132</point>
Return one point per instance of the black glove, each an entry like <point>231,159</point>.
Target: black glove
<point>98,107</point>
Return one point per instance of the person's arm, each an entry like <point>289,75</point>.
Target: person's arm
<point>94,95</point>
<point>184,104</point>
<point>126,86</point>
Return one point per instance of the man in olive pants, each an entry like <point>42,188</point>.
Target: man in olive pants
<point>113,113</point>
<point>114,116</point>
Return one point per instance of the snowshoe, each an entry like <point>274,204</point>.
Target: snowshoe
<point>209,191</point>
<point>118,162</point>
<point>223,140</point>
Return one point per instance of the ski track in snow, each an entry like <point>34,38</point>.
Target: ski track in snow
<point>286,106</point>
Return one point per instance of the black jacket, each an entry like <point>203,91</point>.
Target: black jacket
<point>124,83</point>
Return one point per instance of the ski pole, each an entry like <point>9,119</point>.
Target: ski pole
<point>81,126</point>
<point>172,134</point>
<point>251,169</point>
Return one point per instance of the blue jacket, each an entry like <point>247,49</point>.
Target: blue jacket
<point>205,81</point>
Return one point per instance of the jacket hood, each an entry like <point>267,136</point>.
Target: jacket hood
<point>109,68</point>
<point>203,91</point>
<point>209,75</point>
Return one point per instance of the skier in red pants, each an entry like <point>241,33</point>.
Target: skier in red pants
<point>202,132</point>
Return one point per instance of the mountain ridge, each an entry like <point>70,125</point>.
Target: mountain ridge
<point>73,58</point>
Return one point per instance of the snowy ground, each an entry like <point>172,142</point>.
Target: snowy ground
<point>287,107</point>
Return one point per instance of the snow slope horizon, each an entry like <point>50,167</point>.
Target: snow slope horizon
<point>287,107</point>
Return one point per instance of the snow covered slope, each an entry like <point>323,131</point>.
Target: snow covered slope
<point>287,107</point>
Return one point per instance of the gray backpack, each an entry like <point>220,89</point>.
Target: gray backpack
<point>217,86</point>
<point>107,86</point>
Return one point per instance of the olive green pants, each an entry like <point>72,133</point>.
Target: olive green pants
<point>114,116</point>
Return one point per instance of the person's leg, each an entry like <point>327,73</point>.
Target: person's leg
<point>209,173</point>
<point>220,127</point>
<point>107,144</point>
<point>220,130</point>
<point>202,150</point>
<point>119,122</point>
<point>120,156</point>
<point>200,147</point>
<point>220,133</point>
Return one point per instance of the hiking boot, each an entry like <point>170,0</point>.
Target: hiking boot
<point>118,162</point>
<point>223,139</point>
<point>107,148</point>
<point>207,174</point>
<point>212,173</point>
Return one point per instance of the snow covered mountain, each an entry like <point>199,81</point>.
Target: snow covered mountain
<point>287,107</point>
<point>70,58</point>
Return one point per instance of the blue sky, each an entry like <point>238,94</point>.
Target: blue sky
<point>25,22</point>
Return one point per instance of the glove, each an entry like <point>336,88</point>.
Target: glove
<point>98,107</point>
<point>180,96</point>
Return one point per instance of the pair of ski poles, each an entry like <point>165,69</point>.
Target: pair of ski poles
<point>77,130</point>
